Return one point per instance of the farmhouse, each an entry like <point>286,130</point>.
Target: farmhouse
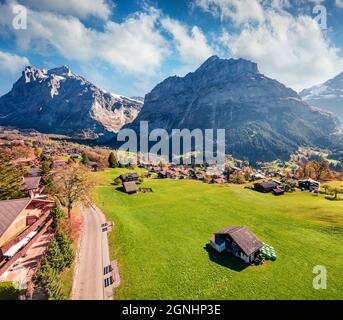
<point>266,186</point>
<point>33,186</point>
<point>21,222</point>
<point>257,176</point>
<point>309,184</point>
<point>132,176</point>
<point>239,241</point>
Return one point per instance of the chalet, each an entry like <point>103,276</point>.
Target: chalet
<point>34,172</point>
<point>309,184</point>
<point>258,176</point>
<point>266,186</point>
<point>278,191</point>
<point>239,241</point>
<point>21,222</point>
<point>130,187</point>
<point>25,161</point>
<point>94,166</point>
<point>33,186</point>
<point>199,176</point>
<point>128,177</point>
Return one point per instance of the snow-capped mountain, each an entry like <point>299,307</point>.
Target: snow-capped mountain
<point>59,101</point>
<point>328,96</point>
<point>264,120</point>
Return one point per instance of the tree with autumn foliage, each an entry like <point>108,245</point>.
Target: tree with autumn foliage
<point>72,185</point>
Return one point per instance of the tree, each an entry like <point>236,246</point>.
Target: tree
<point>46,165</point>
<point>84,159</point>
<point>72,185</point>
<point>57,214</point>
<point>55,256</point>
<point>237,178</point>
<point>335,191</point>
<point>47,280</point>
<point>66,249</point>
<point>289,186</point>
<point>11,179</point>
<point>320,168</point>
<point>113,161</point>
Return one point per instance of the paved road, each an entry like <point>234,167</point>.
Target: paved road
<point>92,258</point>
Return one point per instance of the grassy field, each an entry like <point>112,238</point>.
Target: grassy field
<point>161,241</point>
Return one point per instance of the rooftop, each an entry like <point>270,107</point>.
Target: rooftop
<point>9,210</point>
<point>244,238</point>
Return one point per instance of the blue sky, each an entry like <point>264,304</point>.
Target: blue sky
<point>127,47</point>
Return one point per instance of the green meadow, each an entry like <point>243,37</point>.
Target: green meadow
<point>161,241</point>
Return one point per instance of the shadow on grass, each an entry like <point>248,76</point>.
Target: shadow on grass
<point>225,259</point>
<point>120,189</point>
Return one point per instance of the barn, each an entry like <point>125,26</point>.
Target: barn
<point>239,241</point>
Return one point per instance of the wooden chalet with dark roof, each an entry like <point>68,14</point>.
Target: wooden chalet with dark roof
<point>129,182</point>
<point>239,241</point>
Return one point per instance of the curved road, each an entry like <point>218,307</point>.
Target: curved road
<point>92,258</point>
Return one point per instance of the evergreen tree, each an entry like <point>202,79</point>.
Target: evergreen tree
<point>113,161</point>
<point>55,256</point>
<point>11,179</point>
<point>57,214</point>
<point>66,248</point>
<point>47,280</point>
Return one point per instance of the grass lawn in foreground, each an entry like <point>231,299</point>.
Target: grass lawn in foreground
<point>160,240</point>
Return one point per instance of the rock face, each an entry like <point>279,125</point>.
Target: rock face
<point>59,101</point>
<point>328,96</point>
<point>264,120</point>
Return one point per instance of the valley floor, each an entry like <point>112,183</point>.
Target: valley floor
<point>161,241</point>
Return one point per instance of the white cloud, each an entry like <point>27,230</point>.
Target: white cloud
<point>12,63</point>
<point>77,8</point>
<point>339,3</point>
<point>134,45</point>
<point>191,44</point>
<point>291,49</point>
<point>240,11</point>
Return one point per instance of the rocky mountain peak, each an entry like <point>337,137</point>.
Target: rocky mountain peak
<point>63,71</point>
<point>232,67</point>
<point>59,101</point>
<point>263,119</point>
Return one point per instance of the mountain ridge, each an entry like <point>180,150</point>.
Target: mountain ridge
<point>59,101</point>
<point>264,120</point>
<point>327,96</point>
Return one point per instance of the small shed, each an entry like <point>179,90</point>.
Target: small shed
<point>278,191</point>
<point>130,187</point>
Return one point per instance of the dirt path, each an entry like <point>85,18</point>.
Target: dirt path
<point>92,258</point>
